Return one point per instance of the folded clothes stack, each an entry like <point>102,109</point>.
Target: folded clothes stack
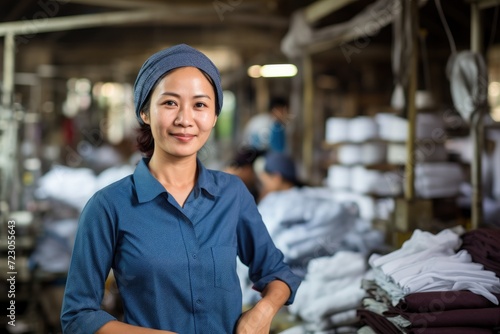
<point>331,293</point>
<point>440,179</point>
<point>443,283</point>
<point>336,130</point>
<point>362,128</point>
<point>307,223</point>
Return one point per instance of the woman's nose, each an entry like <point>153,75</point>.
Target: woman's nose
<point>184,116</point>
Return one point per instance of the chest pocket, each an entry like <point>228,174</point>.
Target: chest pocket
<point>224,258</point>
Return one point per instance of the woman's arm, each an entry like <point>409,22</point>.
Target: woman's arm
<point>117,327</point>
<point>258,319</point>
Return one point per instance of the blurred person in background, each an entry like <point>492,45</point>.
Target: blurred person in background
<point>267,131</point>
<point>279,173</point>
<point>242,165</point>
<point>173,230</point>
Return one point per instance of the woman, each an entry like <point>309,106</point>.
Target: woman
<point>171,231</point>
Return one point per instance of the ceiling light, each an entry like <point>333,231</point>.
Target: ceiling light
<point>254,71</point>
<point>272,71</point>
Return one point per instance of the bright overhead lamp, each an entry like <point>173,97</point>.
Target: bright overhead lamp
<point>272,71</point>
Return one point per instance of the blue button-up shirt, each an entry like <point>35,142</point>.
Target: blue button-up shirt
<point>175,266</point>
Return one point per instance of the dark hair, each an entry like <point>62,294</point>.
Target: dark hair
<point>276,102</point>
<point>145,139</point>
<point>245,156</point>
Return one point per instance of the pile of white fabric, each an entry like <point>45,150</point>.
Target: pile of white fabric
<point>428,262</point>
<point>75,186</point>
<point>67,190</point>
<point>307,222</point>
<point>331,293</point>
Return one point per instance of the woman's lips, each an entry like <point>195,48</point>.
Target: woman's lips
<point>183,137</point>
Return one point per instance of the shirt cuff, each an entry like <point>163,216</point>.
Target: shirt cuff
<point>89,322</point>
<point>290,279</point>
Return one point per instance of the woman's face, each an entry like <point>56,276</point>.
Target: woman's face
<point>182,112</point>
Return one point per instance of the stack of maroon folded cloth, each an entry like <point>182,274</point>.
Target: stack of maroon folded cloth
<point>483,244</point>
<point>458,312</point>
<point>443,312</point>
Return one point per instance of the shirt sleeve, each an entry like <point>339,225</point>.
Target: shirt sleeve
<point>256,249</point>
<point>89,268</point>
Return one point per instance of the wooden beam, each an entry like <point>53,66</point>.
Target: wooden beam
<point>319,9</point>
<point>122,4</point>
<point>484,4</point>
<point>34,27</point>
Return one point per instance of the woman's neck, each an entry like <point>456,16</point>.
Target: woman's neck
<point>177,175</point>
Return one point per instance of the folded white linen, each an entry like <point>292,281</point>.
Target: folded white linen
<point>336,130</point>
<point>419,266</point>
<point>349,154</point>
<point>348,298</point>
<point>373,153</point>
<point>421,240</point>
<point>338,177</point>
<point>343,263</point>
<point>392,127</point>
<point>362,128</point>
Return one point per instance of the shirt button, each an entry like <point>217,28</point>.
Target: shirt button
<point>194,256</point>
<point>198,301</point>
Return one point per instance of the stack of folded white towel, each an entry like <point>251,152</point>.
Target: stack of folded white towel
<point>443,179</point>
<point>331,292</point>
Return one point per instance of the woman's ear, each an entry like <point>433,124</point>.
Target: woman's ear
<point>144,117</point>
<point>215,121</point>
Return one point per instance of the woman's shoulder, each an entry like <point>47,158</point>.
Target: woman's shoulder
<point>222,178</point>
<point>116,190</point>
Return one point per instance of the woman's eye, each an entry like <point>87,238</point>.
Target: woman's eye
<point>169,103</point>
<point>200,105</point>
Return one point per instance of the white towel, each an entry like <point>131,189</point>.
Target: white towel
<point>338,177</point>
<point>364,181</point>
<point>349,154</point>
<point>373,153</point>
<point>362,128</point>
<point>336,130</point>
<point>392,127</point>
<point>342,263</point>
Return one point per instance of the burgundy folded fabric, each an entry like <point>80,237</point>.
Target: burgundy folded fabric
<point>443,301</point>
<point>483,245</point>
<point>450,330</point>
<point>378,323</point>
<point>481,317</point>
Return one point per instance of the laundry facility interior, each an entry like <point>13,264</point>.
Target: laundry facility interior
<point>393,126</point>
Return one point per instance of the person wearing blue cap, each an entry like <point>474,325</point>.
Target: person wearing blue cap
<point>279,174</point>
<point>172,231</point>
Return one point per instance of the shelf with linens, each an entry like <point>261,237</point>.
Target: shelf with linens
<point>367,157</point>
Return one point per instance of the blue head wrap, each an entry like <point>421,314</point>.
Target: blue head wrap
<point>158,64</point>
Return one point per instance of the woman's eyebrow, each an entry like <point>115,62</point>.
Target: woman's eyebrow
<point>178,95</point>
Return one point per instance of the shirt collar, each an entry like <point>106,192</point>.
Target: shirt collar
<point>148,187</point>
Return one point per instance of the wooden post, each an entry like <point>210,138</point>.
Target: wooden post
<point>9,53</point>
<point>308,115</point>
<point>410,105</point>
